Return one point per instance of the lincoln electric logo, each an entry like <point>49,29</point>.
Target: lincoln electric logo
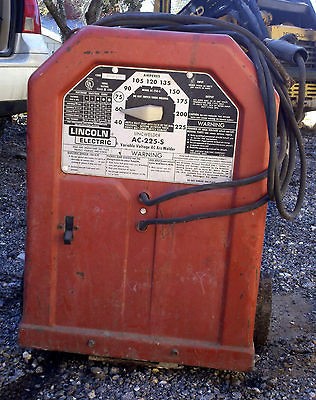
<point>89,132</point>
<point>95,136</point>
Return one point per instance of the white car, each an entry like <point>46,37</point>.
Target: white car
<point>22,50</point>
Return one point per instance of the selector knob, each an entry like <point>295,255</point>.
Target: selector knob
<point>148,113</point>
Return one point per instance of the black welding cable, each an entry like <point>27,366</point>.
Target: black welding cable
<point>257,62</point>
<point>295,55</point>
<point>247,19</point>
<point>272,129</point>
<point>283,147</point>
<point>279,180</point>
<point>142,225</point>
<point>256,11</point>
<point>148,20</point>
<point>144,198</point>
<point>288,166</point>
<point>302,83</point>
<point>287,147</point>
<point>271,75</point>
<point>290,133</point>
<point>297,143</point>
<point>286,158</point>
<point>271,116</point>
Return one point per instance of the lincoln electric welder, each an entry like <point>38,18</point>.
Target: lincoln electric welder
<point>149,156</point>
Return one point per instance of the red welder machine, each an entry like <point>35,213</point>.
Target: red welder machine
<point>148,152</point>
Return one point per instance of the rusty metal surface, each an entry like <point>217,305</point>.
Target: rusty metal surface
<point>182,293</point>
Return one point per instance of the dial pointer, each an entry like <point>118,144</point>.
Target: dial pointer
<point>148,113</point>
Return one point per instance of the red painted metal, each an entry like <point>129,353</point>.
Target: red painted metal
<point>181,293</point>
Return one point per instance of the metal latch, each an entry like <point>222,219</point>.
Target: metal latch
<point>69,229</point>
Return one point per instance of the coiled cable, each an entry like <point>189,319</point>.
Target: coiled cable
<point>285,139</point>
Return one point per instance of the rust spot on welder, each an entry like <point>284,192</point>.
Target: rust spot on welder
<point>166,231</point>
<point>81,274</point>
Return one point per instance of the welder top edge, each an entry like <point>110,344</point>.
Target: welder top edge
<point>92,38</point>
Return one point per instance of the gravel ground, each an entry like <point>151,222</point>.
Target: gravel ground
<point>284,370</point>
